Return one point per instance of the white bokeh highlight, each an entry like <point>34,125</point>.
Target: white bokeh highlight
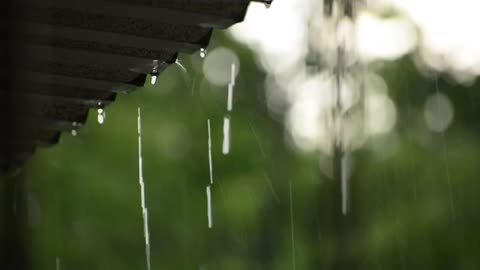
<point>217,66</point>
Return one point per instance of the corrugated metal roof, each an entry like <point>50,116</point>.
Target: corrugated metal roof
<point>76,55</point>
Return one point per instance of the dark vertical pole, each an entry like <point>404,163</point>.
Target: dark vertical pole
<point>14,247</point>
<point>12,211</point>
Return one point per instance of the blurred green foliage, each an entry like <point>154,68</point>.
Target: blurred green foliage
<point>84,195</point>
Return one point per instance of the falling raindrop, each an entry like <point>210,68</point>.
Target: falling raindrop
<point>233,74</point>
<point>226,119</point>
<point>142,190</point>
<point>231,86</point>
<point>203,53</point>
<point>209,207</point>
<point>270,186</point>
<point>226,135</point>
<point>230,98</point>
<point>154,79</point>
<point>101,116</point>
<point>210,163</point>
<point>57,263</point>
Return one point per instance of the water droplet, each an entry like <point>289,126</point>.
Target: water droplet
<point>154,79</point>
<point>74,132</point>
<point>231,85</point>
<point>209,207</point>
<point>210,163</point>
<point>230,98</point>
<point>226,136</point>
<point>142,189</point>
<point>203,53</point>
<point>101,116</point>
<point>233,74</point>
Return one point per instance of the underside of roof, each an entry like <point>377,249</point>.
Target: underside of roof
<point>63,58</point>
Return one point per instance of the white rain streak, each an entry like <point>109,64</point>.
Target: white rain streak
<point>270,185</point>
<point>226,136</point>
<point>57,263</point>
<point>210,161</point>
<point>209,207</point>
<point>345,188</point>
<point>230,97</point>
<point>142,190</point>
<point>231,86</point>
<point>182,67</point>
<point>233,74</point>
<point>226,119</point>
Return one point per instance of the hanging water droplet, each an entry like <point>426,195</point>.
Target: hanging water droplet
<point>154,72</point>
<point>203,53</point>
<point>154,79</point>
<point>74,132</point>
<point>101,116</point>
<point>267,3</point>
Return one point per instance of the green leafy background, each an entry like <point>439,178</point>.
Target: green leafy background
<point>84,195</point>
